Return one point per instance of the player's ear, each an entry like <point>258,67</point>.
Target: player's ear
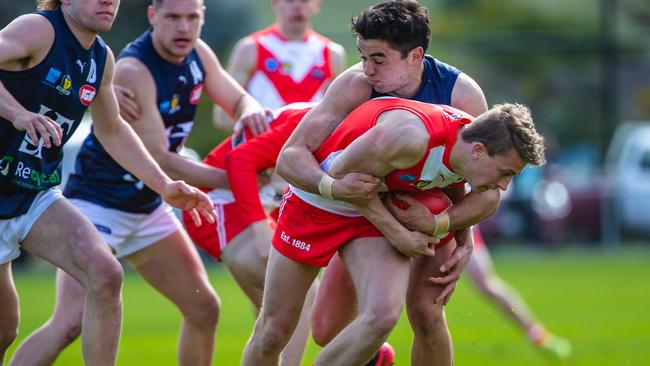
<point>478,150</point>
<point>416,55</point>
<point>151,11</point>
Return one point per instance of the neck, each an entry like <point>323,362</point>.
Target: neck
<point>294,34</point>
<point>460,150</point>
<point>83,35</point>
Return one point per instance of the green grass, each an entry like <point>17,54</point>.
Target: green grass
<point>599,301</point>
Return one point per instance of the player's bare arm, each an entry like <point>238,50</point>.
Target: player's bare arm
<point>468,96</point>
<point>296,163</point>
<point>223,90</point>
<point>133,75</point>
<point>24,43</point>
<point>398,141</point>
<point>123,145</point>
<point>240,67</point>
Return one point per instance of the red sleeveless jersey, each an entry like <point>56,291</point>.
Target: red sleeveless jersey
<point>433,170</point>
<point>289,71</point>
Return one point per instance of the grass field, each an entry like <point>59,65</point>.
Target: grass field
<point>599,301</point>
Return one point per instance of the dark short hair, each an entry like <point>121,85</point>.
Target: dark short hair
<point>404,24</point>
<point>47,4</point>
<point>507,126</point>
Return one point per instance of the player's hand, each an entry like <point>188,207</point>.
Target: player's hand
<point>455,265</point>
<point>414,243</point>
<point>356,188</point>
<point>416,217</point>
<point>180,195</point>
<point>257,122</point>
<point>39,125</point>
<point>129,109</point>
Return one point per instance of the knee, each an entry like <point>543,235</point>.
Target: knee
<point>206,309</point>
<point>105,277</point>
<point>426,317</point>
<point>70,332</point>
<point>380,322</point>
<point>272,335</point>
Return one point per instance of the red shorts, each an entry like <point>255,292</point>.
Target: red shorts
<point>312,236</point>
<point>213,238</point>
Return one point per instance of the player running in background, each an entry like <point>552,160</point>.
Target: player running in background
<point>395,139</point>
<point>286,62</point>
<point>167,68</point>
<point>52,67</point>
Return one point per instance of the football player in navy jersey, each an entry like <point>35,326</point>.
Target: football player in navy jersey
<point>166,69</point>
<point>52,67</point>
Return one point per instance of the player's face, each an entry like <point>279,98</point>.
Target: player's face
<point>492,172</point>
<point>295,14</point>
<point>95,15</point>
<point>176,26</point>
<point>386,69</point>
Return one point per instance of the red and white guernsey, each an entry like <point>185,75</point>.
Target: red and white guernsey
<point>432,171</point>
<point>289,71</point>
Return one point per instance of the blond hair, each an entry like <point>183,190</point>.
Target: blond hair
<point>47,4</point>
<point>507,126</point>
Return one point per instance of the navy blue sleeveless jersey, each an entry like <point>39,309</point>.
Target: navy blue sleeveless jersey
<point>61,87</point>
<point>100,179</point>
<point>437,83</point>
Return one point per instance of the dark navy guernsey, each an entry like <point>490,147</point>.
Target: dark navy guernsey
<point>438,81</point>
<point>61,87</point>
<point>101,180</point>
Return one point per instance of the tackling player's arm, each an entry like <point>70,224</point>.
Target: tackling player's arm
<point>24,43</point>
<point>133,75</point>
<point>240,67</point>
<point>296,163</point>
<point>125,147</point>
<point>245,161</point>
<point>223,90</point>
<point>394,144</point>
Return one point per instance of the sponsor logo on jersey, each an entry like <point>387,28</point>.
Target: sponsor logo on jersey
<point>171,106</point>
<point>271,65</point>
<point>81,65</point>
<point>65,85</point>
<point>87,94</point>
<point>407,177</point>
<point>421,184</point>
<point>286,68</point>
<point>195,94</point>
<point>52,76</point>
<point>38,179</point>
<point>318,74</point>
<point>5,164</point>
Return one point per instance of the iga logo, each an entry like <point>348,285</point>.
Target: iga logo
<point>87,94</point>
<point>195,94</point>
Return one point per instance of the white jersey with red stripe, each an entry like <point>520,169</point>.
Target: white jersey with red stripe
<point>289,71</point>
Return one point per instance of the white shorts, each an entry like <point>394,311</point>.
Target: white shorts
<point>126,232</point>
<point>14,230</point>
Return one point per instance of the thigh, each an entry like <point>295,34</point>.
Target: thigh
<point>286,285</point>
<point>422,268</point>
<point>172,266</point>
<point>246,265</point>
<point>379,272</point>
<point>65,237</point>
<point>336,296</point>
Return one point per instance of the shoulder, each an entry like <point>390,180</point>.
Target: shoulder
<point>336,49</point>
<point>205,52</point>
<point>354,80</point>
<point>30,30</point>
<point>131,72</point>
<point>468,96</point>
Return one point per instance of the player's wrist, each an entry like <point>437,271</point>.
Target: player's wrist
<point>325,186</point>
<point>442,224</point>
